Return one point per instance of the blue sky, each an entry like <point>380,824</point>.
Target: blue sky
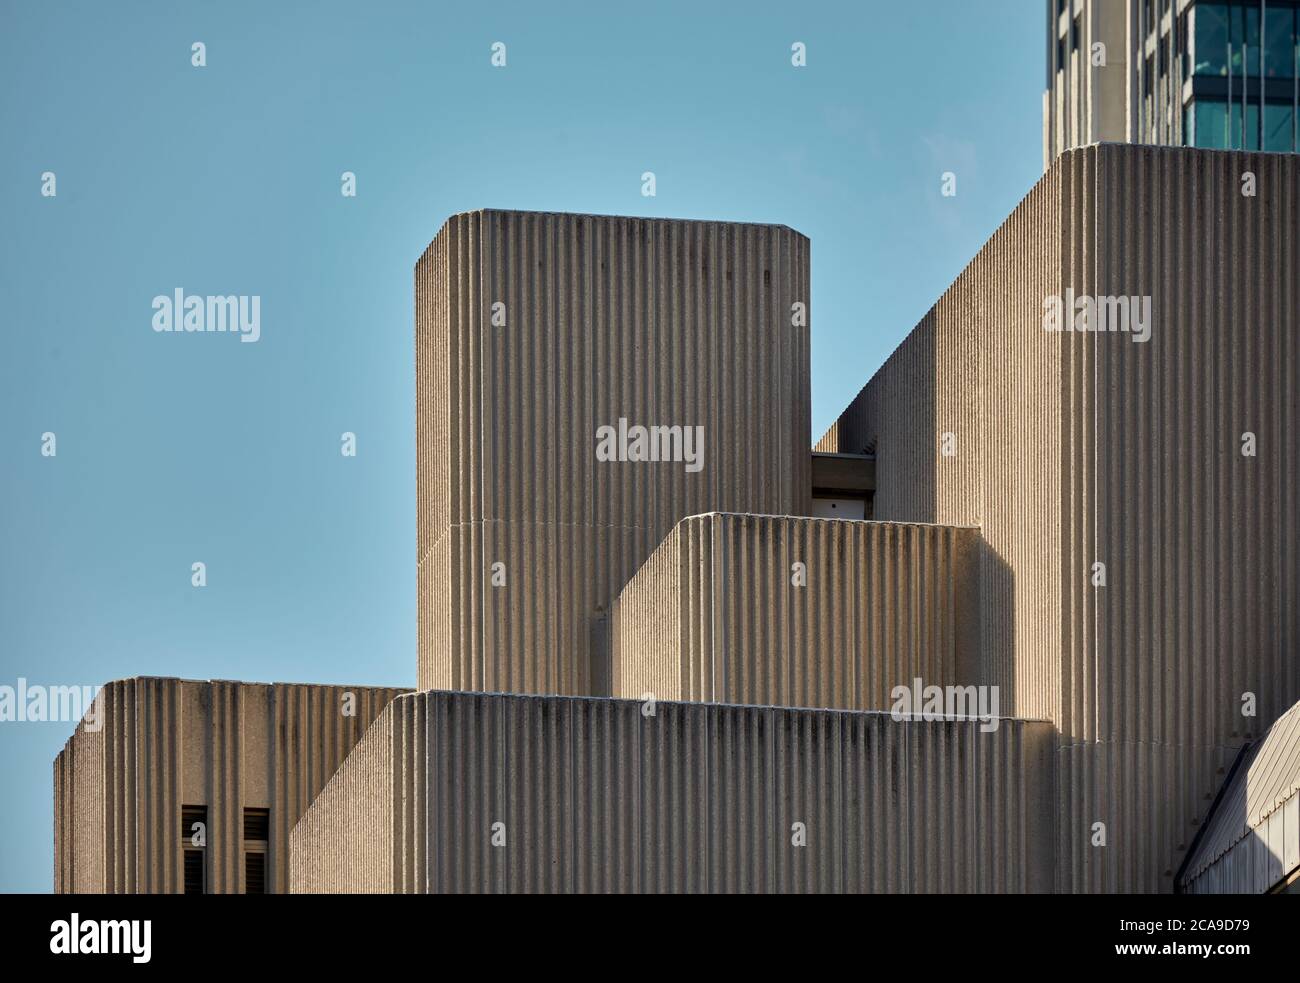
<point>225,179</point>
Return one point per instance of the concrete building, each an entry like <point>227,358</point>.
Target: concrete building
<point>241,760</point>
<point>1218,74</point>
<point>1136,499</point>
<point>472,792</point>
<point>534,333</point>
<point>1079,470</point>
<point>784,611</point>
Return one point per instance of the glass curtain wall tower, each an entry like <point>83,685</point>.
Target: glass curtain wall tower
<point>1219,74</point>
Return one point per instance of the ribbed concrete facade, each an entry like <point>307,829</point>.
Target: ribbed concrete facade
<point>594,795</point>
<point>534,330</point>
<point>1251,843</point>
<point>789,611</point>
<point>1099,525</point>
<point>1078,448</point>
<point>167,744</point>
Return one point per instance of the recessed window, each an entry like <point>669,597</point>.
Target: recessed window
<point>254,873</point>
<point>194,841</point>
<point>257,823</point>
<point>257,830</point>
<point>195,882</point>
<point>194,822</point>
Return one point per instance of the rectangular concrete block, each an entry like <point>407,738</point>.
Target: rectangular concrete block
<point>800,612</point>
<point>1136,498</point>
<point>517,793</point>
<point>533,331</point>
<point>166,744</point>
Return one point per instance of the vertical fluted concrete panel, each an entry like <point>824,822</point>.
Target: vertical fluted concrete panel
<point>1095,449</point>
<point>672,795</point>
<point>1198,537</point>
<point>466,748</point>
<point>308,739</point>
<point>1019,448</point>
<point>410,817</point>
<point>964,420</point>
<point>225,789</point>
<point>440,612</point>
<point>62,827</point>
<point>1078,440</point>
<point>800,612</point>
<point>80,804</point>
<point>1129,810</point>
<point>533,330</point>
<point>170,743</point>
<point>348,833</point>
<point>580,794</point>
<point>975,825</point>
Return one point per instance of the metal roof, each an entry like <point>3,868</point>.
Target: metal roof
<point>1253,819</point>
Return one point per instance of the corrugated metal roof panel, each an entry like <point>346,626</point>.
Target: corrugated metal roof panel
<point>1253,834</point>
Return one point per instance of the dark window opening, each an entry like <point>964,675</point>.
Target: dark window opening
<point>257,830</point>
<point>194,839</point>
<point>194,872</point>
<point>257,824</point>
<point>254,872</point>
<point>194,827</point>
<point>191,815</point>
